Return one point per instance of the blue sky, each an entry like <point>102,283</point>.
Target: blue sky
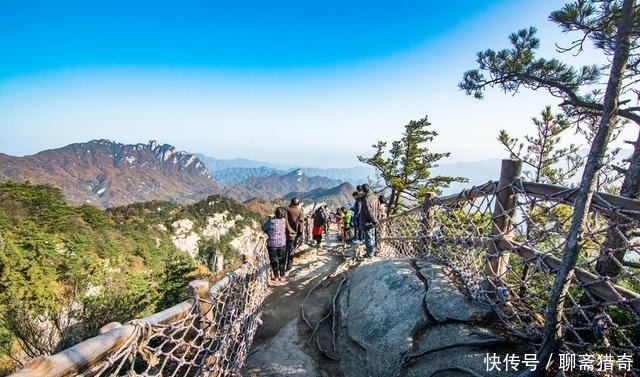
<point>313,82</point>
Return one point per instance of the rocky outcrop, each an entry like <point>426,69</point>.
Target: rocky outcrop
<point>186,237</point>
<point>283,355</point>
<point>407,318</point>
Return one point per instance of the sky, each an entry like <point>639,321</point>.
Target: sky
<point>310,83</point>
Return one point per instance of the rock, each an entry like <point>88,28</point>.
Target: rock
<point>380,315</point>
<point>281,356</point>
<point>445,301</point>
<point>217,226</point>
<point>407,318</point>
<point>245,241</point>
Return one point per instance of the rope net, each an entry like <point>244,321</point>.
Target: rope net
<point>505,245</point>
<point>212,338</point>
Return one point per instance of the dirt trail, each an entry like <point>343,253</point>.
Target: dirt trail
<point>281,344</point>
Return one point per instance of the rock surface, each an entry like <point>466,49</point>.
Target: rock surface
<point>398,317</point>
<point>282,355</point>
<point>406,318</point>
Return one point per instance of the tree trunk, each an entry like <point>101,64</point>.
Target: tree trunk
<point>612,255</point>
<point>555,307</point>
<point>392,202</point>
<point>631,184</point>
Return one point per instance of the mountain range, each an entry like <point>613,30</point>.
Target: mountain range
<point>106,174</point>
<point>231,171</point>
<point>276,186</point>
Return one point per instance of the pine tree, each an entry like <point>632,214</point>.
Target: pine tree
<point>407,169</point>
<point>547,161</point>
<point>613,28</point>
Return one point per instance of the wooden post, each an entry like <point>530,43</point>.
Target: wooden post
<point>429,213</point>
<point>502,220</point>
<point>219,263</point>
<point>200,289</point>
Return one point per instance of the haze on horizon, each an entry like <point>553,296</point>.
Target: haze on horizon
<point>294,82</point>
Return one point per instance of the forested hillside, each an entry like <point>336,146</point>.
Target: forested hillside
<point>65,271</point>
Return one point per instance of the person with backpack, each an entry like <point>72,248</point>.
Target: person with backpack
<point>295,229</point>
<point>369,216</point>
<point>319,222</point>
<point>276,227</point>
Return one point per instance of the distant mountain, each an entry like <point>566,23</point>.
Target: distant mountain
<point>230,176</point>
<point>354,174</point>
<point>334,197</point>
<point>106,173</point>
<point>275,186</point>
<point>217,164</point>
<point>231,171</point>
<point>263,207</point>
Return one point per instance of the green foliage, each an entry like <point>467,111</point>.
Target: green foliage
<point>407,169</point>
<point>516,67</point>
<point>545,159</point>
<point>580,89</point>
<point>78,268</point>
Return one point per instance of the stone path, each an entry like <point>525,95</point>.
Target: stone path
<point>280,346</point>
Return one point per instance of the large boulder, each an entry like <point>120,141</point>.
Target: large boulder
<point>407,318</point>
<point>282,355</point>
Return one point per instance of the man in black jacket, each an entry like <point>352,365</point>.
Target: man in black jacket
<point>369,216</point>
<point>295,227</point>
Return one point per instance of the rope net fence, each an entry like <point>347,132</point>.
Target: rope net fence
<point>504,245</point>
<point>207,335</point>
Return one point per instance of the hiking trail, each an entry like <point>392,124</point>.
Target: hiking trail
<point>296,337</point>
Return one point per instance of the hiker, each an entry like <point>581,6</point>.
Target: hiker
<point>356,215</point>
<point>369,216</point>
<point>339,216</point>
<point>275,227</point>
<point>319,222</point>
<point>295,228</point>
<point>347,221</point>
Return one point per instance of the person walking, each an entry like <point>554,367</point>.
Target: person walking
<point>319,222</point>
<point>295,225</point>
<point>369,216</point>
<point>355,217</point>
<point>276,227</point>
<point>339,216</point>
<point>347,222</point>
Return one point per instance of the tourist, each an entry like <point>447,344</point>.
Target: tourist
<point>347,223</point>
<point>275,227</point>
<point>339,215</point>
<point>356,215</point>
<point>295,228</point>
<point>369,216</point>
<point>319,222</point>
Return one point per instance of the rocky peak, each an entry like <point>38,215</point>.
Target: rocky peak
<point>108,173</point>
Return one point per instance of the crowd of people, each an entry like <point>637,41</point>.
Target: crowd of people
<point>289,227</point>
